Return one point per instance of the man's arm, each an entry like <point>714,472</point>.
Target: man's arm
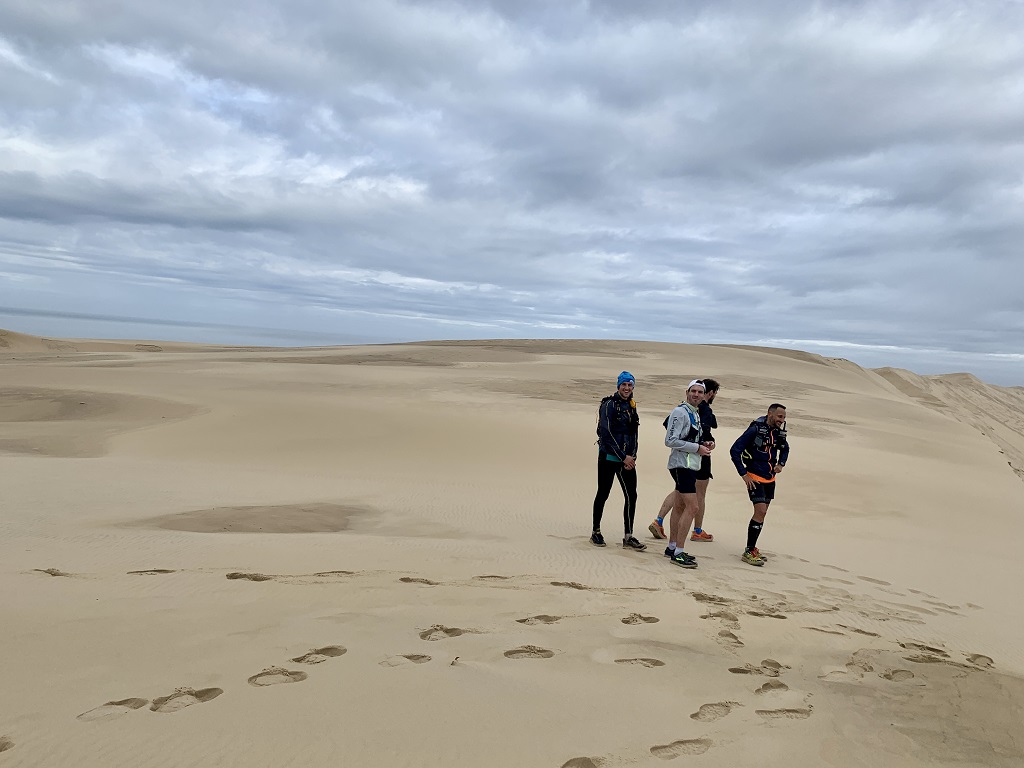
<point>679,425</point>
<point>608,441</point>
<point>783,455</point>
<point>738,447</point>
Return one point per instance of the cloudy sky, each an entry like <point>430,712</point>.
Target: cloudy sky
<point>845,178</point>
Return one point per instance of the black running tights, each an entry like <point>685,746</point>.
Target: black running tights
<point>607,472</point>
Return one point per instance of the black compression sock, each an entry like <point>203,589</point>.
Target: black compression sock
<point>753,531</point>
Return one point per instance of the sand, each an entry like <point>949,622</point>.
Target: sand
<point>378,556</point>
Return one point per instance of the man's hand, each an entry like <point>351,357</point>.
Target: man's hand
<point>704,450</point>
<point>751,482</point>
<point>629,462</point>
<point>710,445</point>
<point>777,468</point>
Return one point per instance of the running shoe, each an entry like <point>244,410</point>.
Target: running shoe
<point>684,560</point>
<point>760,554</point>
<point>657,530</point>
<point>632,542</point>
<point>752,557</point>
<point>669,552</point>
<point>597,539</point>
<point>702,536</point>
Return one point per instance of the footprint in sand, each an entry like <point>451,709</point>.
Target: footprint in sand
<point>834,567</point>
<point>835,580</point>
<point>708,713</point>
<point>6,744</point>
<point>440,632</point>
<point>729,638</point>
<point>943,605</point>
<point>184,697</point>
<point>276,676</point>
<point>785,714</point>
<point>413,580</point>
<point>151,572</point>
<point>682,747</point>
<point>569,584</point>
<point>407,658</point>
<point>926,648</point>
<point>772,686</point>
<point>492,577</point>
<point>765,615</point>
<point>859,631</point>
<point>51,571</point>
<point>701,597</point>
<point>248,576</point>
<point>112,709</point>
<point>636,618</point>
<point>897,675</point>
<point>318,655</point>
<point>826,631</point>
<point>529,652</point>
<point>583,762</point>
<point>642,662</point>
<point>874,581</point>
<point>980,660</point>
<point>541,619</point>
<point>334,573</point>
<point>768,667</point>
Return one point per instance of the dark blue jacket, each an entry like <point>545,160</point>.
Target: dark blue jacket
<point>618,427</point>
<point>708,421</point>
<point>759,448</point>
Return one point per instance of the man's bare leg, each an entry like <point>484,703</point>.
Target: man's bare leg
<point>665,511</point>
<point>702,494</point>
<point>682,517</point>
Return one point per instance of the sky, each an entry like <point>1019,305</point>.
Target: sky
<point>845,178</point>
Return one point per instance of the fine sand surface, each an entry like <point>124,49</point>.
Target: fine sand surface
<point>378,556</point>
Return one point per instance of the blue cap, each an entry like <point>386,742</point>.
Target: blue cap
<point>624,377</point>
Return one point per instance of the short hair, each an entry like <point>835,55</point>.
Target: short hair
<point>710,385</point>
<point>775,407</point>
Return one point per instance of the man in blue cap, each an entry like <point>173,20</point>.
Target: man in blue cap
<point>618,430</point>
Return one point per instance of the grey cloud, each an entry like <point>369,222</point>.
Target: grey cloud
<point>712,171</point>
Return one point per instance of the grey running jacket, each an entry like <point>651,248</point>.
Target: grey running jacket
<point>683,437</point>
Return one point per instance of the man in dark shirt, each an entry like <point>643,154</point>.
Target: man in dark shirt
<point>708,422</point>
<point>618,429</point>
<point>759,454</point>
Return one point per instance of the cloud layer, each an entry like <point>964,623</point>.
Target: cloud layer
<point>843,177</point>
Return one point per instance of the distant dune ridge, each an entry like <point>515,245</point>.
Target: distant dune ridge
<point>378,555</point>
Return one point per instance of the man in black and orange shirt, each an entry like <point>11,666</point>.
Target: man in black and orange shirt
<point>759,454</point>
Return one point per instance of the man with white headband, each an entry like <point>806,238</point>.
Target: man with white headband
<point>683,436</point>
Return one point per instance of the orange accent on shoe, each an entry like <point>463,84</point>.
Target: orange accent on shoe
<point>702,536</point>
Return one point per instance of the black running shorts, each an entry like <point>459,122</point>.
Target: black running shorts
<point>686,479</point>
<point>762,493</point>
<point>704,473</point>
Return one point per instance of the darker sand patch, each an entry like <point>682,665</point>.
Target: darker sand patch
<point>76,424</point>
<point>248,576</point>
<point>316,517</point>
<point>5,744</point>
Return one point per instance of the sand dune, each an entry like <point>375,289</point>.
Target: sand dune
<point>378,556</point>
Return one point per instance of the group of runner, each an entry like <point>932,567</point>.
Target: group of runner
<point>759,455</point>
